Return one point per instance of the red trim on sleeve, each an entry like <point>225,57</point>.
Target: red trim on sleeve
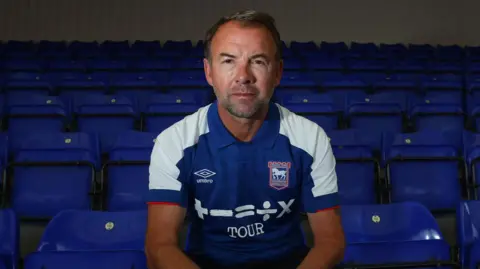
<point>330,208</point>
<point>162,203</point>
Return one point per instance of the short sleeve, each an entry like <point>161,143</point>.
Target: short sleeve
<point>166,163</point>
<point>320,190</point>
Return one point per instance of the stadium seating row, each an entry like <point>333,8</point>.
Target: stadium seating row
<point>180,48</point>
<point>53,171</point>
<point>400,235</point>
<point>384,111</point>
<point>292,63</point>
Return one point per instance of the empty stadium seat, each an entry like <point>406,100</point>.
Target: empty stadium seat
<point>126,171</point>
<point>317,107</point>
<point>86,259</point>
<point>85,230</point>
<point>381,112</point>
<point>436,111</point>
<point>52,172</point>
<point>16,87</point>
<point>29,113</point>
<point>467,222</point>
<point>340,86</point>
<point>426,167</point>
<point>136,86</point>
<point>449,83</point>
<point>105,116</point>
<point>357,169</point>
<point>389,236</point>
<point>164,109</point>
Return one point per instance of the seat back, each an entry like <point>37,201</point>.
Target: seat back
<point>317,107</point>
<point>35,112</point>
<point>382,112</point>
<point>436,111</point>
<point>127,171</point>
<point>356,167</point>
<point>82,230</point>
<point>424,167</point>
<point>392,234</point>
<point>407,221</point>
<point>104,115</point>
<point>53,172</point>
<point>163,110</point>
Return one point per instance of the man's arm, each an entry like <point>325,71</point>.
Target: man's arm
<point>167,203</point>
<point>321,202</point>
<point>329,240</point>
<point>161,247</point>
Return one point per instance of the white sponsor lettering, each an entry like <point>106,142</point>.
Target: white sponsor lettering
<point>221,213</point>
<point>246,210</point>
<point>250,230</point>
<point>285,207</point>
<point>200,210</point>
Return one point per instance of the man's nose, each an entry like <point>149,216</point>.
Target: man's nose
<point>244,75</point>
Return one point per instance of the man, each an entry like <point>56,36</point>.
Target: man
<point>243,168</point>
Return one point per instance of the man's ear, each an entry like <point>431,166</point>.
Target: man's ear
<point>207,67</point>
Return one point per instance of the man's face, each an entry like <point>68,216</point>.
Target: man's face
<point>243,69</point>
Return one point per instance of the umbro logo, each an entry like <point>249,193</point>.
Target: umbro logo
<point>204,174</point>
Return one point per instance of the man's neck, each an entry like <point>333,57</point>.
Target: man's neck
<point>241,128</point>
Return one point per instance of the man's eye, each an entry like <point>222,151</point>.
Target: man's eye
<point>260,62</point>
<point>227,61</point>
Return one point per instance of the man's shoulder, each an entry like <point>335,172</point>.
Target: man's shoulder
<point>186,132</point>
<point>300,131</point>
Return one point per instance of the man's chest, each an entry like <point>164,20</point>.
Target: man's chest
<point>244,185</point>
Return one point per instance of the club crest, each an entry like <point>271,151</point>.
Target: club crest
<point>279,173</point>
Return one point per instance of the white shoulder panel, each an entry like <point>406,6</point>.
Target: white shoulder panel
<point>311,138</point>
<point>169,149</point>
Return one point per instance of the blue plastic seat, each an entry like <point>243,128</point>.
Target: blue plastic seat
<point>394,234</point>
<point>449,83</point>
<point>425,167</point>
<point>381,112</point>
<point>71,89</point>
<point>193,63</point>
<point>127,171</point>
<point>164,109</point>
<point>182,79</point>
<point>357,168</point>
<point>86,259</point>
<point>85,230</point>
<point>405,85</point>
<point>436,111</point>
<point>467,222</point>
<point>105,116</point>
<point>137,87</point>
<point>15,87</point>
<point>297,79</point>
<point>341,86</point>
<point>107,65</point>
<point>22,65</point>
<point>52,172</point>
<point>30,113</point>
<point>317,107</point>
<point>67,65</point>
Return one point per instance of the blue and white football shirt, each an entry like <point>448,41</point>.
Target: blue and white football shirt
<point>244,199</point>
